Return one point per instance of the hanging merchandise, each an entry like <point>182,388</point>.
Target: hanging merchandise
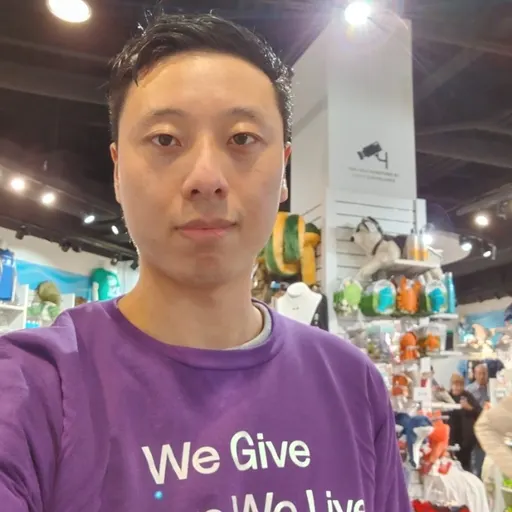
<point>416,430</point>
<point>290,251</point>
<point>45,306</point>
<point>409,347</point>
<point>408,296</point>
<point>435,299</point>
<point>379,298</point>
<point>105,284</point>
<point>304,305</point>
<point>450,291</point>
<point>7,275</point>
<point>348,298</point>
<point>432,338</point>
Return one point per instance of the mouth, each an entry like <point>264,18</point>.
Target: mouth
<point>206,229</point>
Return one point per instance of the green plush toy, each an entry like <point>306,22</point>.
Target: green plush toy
<point>348,298</point>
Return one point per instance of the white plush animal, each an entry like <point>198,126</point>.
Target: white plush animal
<point>381,249</point>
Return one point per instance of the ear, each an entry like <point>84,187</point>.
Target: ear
<point>114,155</point>
<point>284,186</point>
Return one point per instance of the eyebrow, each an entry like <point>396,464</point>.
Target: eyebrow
<point>168,112</point>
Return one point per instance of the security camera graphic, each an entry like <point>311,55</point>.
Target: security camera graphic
<point>374,149</point>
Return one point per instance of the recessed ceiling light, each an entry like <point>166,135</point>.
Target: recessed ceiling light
<point>466,246</point>
<point>357,12</point>
<point>487,253</point>
<point>18,184</point>
<point>48,198</point>
<point>89,219</point>
<point>482,220</point>
<point>114,229</point>
<point>72,11</point>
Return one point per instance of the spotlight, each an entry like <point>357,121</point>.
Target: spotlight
<point>466,246</point>
<point>65,246</point>
<point>76,248</point>
<point>72,11</point>
<point>18,184</point>
<point>89,219</point>
<point>114,261</point>
<point>502,210</point>
<point>21,233</point>
<point>489,251</point>
<point>482,220</point>
<point>357,12</point>
<point>465,243</point>
<point>134,265</point>
<point>114,229</point>
<point>48,198</point>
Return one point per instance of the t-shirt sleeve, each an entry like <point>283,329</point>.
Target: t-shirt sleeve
<point>30,424</point>
<point>390,488</point>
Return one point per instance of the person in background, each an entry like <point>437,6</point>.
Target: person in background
<point>491,429</point>
<point>462,421</point>
<point>480,390</point>
<point>185,394</point>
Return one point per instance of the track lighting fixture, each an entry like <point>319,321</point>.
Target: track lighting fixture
<point>134,264</point>
<point>22,232</point>
<point>65,246</point>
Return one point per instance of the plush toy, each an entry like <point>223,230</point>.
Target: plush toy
<point>408,296</point>
<point>290,250</point>
<point>416,430</point>
<point>439,440</point>
<point>381,249</point>
<point>409,347</point>
<point>400,386</point>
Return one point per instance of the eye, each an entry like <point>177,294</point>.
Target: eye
<point>243,139</point>
<point>164,140</point>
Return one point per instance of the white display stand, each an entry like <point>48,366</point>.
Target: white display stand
<point>353,141</point>
<point>14,316</point>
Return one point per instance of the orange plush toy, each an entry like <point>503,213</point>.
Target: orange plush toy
<point>409,347</point>
<point>439,441</point>
<point>408,296</point>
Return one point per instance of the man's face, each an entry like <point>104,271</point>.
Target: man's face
<point>199,166</point>
<point>481,375</point>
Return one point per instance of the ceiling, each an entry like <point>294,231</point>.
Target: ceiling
<point>54,122</point>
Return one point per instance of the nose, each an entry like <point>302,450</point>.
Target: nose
<point>206,179</point>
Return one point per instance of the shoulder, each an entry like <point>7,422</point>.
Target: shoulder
<point>48,355</point>
<point>334,362</point>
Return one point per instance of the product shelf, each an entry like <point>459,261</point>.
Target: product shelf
<point>408,268</point>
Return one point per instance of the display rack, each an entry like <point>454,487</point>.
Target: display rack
<point>13,315</point>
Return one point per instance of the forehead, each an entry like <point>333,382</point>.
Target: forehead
<point>202,82</point>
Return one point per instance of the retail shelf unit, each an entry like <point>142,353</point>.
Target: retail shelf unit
<point>13,315</point>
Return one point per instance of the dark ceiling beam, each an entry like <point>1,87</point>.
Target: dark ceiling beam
<point>55,226</point>
<point>467,149</point>
<point>483,126</point>
<point>56,84</point>
<point>445,73</point>
<point>463,40</point>
<point>53,50</point>
<point>81,190</point>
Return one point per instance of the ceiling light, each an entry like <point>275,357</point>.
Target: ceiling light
<point>428,239</point>
<point>72,11</point>
<point>18,184</point>
<point>89,219</point>
<point>482,220</point>
<point>48,198</point>
<point>466,246</point>
<point>487,253</point>
<point>357,12</point>
<point>114,229</point>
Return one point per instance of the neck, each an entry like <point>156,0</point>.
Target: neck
<point>175,313</point>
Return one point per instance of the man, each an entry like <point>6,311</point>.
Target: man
<point>480,390</point>
<point>185,395</point>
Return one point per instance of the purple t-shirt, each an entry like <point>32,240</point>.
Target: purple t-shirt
<point>96,416</point>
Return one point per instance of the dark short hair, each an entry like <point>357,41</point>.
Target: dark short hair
<point>171,34</point>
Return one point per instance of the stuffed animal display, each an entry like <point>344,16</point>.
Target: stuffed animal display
<point>382,250</point>
<point>291,249</point>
